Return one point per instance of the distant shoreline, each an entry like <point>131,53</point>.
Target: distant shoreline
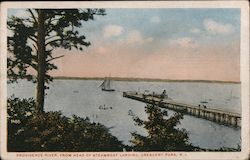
<point>143,79</point>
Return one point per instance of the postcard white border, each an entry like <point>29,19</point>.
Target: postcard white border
<point>244,71</point>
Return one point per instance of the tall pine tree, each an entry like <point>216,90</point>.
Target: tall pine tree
<point>33,39</point>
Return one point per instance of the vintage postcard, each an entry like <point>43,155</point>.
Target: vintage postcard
<point>125,80</point>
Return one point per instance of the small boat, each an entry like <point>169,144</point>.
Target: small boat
<point>106,85</point>
<point>203,102</point>
<point>103,107</point>
<point>130,113</point>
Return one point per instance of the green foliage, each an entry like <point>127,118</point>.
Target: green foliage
<point>51,131</point>
<point>162,133</point>
<point>19,113</point>
<point>61,31</point>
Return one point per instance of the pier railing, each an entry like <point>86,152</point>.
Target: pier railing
<point>215,115</point>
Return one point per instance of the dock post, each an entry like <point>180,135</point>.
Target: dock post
<point>216,117</point>
<point>204,114</point>
<point>208,114</point>
<point>229,120</point>
<point>222,118</point>
<point>236,122</point>
<point>212,116</point>
<point>189,110</point>
<point>193,112</point>
<point>176,107</point>
<point>197,112</point>
<point>202,111</point>
<point>226,119</point>
<point>233,121</point>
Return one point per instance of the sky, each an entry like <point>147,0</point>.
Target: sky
<point>169,43</point>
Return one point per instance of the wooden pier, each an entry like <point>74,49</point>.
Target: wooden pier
<point>215,115</point>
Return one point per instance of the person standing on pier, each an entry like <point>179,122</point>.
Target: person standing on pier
<point>163,95</point>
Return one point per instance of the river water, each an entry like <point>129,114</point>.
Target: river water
<point>85,98</point>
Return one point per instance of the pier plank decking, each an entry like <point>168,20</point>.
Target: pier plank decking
<point>215,115</point>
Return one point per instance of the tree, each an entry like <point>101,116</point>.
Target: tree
<point>34,38</point>
<point>162,133</point>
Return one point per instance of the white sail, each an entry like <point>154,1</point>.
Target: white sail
<point>106,85</point>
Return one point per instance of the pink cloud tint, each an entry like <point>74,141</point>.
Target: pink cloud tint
<point>202,63</point>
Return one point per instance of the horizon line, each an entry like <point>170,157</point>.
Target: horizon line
<point>145,79</point>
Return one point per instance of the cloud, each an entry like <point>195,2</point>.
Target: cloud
<point>195,30</point>
<point>184,42</point>
<point>135,37</point>
<point>214,27</point>
<point>155,19</point>
<point>112,30</point>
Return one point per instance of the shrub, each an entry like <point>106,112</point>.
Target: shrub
<point>51,131</point>
<point>19,113</point>
<point>162,133</point>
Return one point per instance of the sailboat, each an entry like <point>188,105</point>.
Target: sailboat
<point>106,85</point>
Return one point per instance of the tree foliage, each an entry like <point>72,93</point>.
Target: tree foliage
<point>162,133</point>
<point>61,31</point>
<point>52,131</point>
<point>32,40</point>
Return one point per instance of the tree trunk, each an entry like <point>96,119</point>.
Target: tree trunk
<point>41,63</point>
